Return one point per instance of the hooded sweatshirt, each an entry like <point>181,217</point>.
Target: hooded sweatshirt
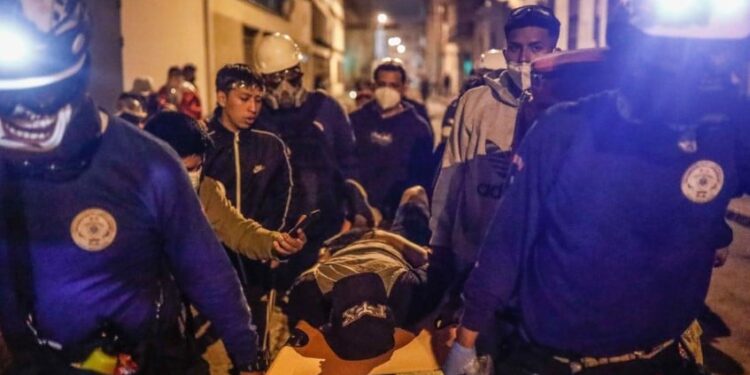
<point>394,153</point>
<point>474,167</point>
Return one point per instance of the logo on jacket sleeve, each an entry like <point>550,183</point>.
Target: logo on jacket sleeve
<point>702,182</point>
<point>93,229</point>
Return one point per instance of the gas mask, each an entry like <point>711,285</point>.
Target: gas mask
<point>43,72</point>
<point>284,89</point>
<point>520,73</point>
<point>387,97</point>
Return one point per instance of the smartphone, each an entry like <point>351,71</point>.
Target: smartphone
<point>311,218</point>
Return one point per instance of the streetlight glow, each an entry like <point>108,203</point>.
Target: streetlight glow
<point>401,48</point>
<point>382,18</point>
<point>394,41</point>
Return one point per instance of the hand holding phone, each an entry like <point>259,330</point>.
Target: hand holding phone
<point>293,241</point>
<point>305,223</point>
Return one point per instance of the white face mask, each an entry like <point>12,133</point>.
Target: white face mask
<point>387,97</point>
<point>28,131</point>
<point>521,74</point>
<point>195,178</point>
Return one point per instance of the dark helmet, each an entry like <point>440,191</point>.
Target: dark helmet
<point>670,52</point>
<point>44,65</point>
<point>687,20</point>
<point>693,19</point>
<point>43,48</point>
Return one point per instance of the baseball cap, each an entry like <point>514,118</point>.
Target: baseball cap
<point>361,324</point>
<point>533,16</point>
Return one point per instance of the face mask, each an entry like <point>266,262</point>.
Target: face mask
<point>387,97</point>
<point>286,96</point>
<point>25,130</point>
<point>520,73</point>
<point>195,178</point>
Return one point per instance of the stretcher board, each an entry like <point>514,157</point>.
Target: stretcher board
<point>413,355</point>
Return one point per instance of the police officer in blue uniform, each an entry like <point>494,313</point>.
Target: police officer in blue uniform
<point>101,232</point>
<point>605,240</point>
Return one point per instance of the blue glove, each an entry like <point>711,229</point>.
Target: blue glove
<point>459,360</point>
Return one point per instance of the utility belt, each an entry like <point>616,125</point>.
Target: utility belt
<point>579,364</point>
<point>688,346</point>
<point>166,350</point>
<point>108,354</point>
<point>675,356</point>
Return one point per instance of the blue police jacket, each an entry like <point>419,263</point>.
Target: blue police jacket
<point>606,236</point>
<point>108,245</point>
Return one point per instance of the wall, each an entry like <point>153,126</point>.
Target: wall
<point>210,33</point>
<point>231,16</point>
<point>106,53</point>
<point>158,34</point>
<point>562,13</point>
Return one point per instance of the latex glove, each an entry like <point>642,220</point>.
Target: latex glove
<point>459,360</point>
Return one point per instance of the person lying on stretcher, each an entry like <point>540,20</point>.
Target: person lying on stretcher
<point>368,283</point>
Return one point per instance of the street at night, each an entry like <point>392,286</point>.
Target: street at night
<point>374,187</point>
<point>729,299</point>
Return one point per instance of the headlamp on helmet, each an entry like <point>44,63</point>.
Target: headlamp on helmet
<point>43,70</point>
<point>14,47</point>
<point>691,19</point>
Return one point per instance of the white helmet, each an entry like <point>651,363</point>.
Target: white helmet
<point>691,19</point>
<point>277,52</point>
<point>492,59</point>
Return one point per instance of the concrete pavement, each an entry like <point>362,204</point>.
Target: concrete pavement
<point>728,330</point>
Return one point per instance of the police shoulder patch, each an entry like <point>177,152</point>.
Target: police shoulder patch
<point>702,182</point>
<point>93,229</point>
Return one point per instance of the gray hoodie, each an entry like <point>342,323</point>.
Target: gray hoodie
<point>474,167</point>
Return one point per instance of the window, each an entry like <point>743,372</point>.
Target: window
<point>276,6</point>
<point>575,6</point>
<point>249,38</point>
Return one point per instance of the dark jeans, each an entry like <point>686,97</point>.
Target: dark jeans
<point>528,359</point>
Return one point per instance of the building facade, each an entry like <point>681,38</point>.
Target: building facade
<point>145,37</point>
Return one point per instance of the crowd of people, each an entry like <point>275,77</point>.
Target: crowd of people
<point>131,243</point>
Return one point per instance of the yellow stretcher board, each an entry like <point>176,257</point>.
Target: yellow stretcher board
<point>411,355</point>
